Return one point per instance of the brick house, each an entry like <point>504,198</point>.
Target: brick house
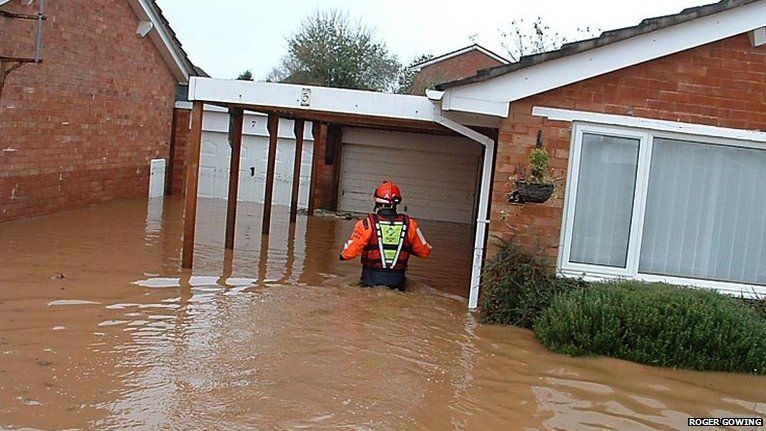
<point>657,143</point>
<point>82,126</point>
<point>453,65</point>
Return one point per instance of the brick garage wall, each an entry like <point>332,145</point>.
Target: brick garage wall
<point>177,181</point>
<point>452,68</point>
<point>719,84</point>
<point>325,176</point>
<point>81,127</point>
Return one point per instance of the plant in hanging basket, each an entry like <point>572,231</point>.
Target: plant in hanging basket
<point>537,189</point>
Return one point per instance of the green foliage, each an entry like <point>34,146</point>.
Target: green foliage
<point>329,50</point>
<point>245,76</point>
<point>538,165</point>
<point>406,82</point>
<point>656,324</point>
<point>759,305</point>
<point>516,287</point>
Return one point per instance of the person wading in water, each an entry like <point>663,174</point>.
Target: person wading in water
<point>385,240</point>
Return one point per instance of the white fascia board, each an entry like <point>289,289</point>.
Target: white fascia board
<point>451,102</point>
<point>618,55</point>
<point>323,99</point>
<point>161,40</point>
<point>649,124</point>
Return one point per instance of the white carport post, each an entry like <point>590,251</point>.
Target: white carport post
<point>482,220</point>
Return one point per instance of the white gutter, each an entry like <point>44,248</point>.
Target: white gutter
<point>482,220</point>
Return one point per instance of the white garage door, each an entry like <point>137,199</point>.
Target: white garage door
<point>215,154</point>
<point>437,174</point>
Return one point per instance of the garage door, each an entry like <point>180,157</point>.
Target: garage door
<point>215,160</point>
<point>438,174</point>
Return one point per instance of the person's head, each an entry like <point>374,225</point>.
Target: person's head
<point>387,195</point>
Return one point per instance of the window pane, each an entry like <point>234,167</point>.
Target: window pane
<point>604,200</point>
<point>705,212</point>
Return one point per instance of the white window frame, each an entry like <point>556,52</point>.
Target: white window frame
<point>646,141</point>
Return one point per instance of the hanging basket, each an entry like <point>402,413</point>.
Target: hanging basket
<point>527,192</point>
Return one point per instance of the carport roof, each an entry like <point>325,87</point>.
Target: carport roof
<point>335,105</point>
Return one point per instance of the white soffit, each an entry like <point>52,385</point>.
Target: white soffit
<point>618,55</point>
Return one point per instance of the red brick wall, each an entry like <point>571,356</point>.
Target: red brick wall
<point>325,176</point>
<point>720,84</point>
<point>180,144</point>
<point>452,68</point>
<point>81,127</point>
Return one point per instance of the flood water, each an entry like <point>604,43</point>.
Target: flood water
<point>100,329</point>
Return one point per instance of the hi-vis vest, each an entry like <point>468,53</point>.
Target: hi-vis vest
<point>388,247</point>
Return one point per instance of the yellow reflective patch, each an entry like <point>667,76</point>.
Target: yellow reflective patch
<point>391,234</point>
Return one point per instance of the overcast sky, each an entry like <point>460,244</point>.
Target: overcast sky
<point>225,37</point>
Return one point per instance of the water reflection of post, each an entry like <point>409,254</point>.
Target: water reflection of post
<point>228,258</point>
<point>290,264</point>
<point>263,260</point>
<point>467,361</point>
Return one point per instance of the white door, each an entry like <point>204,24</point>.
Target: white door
<point>156,178</point>
<point>437,174</point>
<point>214,165</point>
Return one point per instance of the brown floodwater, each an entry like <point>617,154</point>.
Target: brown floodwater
<point>276,337</point>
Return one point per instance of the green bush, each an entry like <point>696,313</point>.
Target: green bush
<point>516,287</point>
<point>656,324</point>
<point>758,305</point>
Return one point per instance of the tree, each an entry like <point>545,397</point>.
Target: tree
<point>246,76</point>
<point>523,38</point>
<point>407,74</point>
<point>331,51</point>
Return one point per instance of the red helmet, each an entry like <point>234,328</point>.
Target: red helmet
<point>388,193</point>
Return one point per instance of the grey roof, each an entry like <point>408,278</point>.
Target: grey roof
<point>606,38</point>
<point>177,47</point>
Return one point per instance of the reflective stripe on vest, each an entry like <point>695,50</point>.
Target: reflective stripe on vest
<point>391,236</point>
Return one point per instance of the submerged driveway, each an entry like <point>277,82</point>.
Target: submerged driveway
<point>99,329</point>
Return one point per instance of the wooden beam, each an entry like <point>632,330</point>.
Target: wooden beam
<point>298,130</point>
<point>236,117</point>
<point>273,126</point>
<point>416,126</point>
<point>192,180</point>
<point>337,143</point>
<point>171,154</point>
<point>319,131</point>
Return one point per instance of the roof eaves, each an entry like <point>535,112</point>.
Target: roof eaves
<point>606,38</point>
<point>176,45</point>
<point>458,52</point>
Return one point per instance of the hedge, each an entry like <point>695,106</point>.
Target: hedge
<point>516,287</point>
<point>656,324</point>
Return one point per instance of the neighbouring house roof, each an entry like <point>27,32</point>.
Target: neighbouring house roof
<point>457,52</point>
<point>606,38</point>
<point>166,41</point>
